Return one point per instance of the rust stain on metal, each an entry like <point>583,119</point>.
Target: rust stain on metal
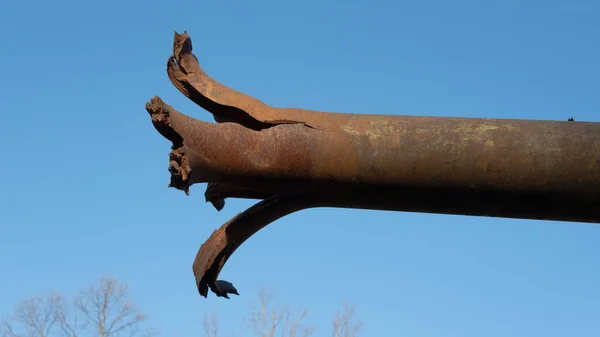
<point>293,159</point>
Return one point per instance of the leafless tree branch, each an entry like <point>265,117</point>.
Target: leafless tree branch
<point>108,310</point>
<point>211,325</point>
<point>343,324</point>
<point>33,317</point>
<point>266,319</point>
<point>269,320</point>
<point>68,321</point>
<point>102,310</point>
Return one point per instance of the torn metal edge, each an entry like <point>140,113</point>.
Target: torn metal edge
<point>226,104</point>
<point>214,252</point>
<point>178,162</point>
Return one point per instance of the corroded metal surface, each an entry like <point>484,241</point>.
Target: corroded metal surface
<point>296,159</point>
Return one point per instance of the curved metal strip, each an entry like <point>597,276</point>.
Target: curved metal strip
<point>214,252</point>
<point>230,105</point>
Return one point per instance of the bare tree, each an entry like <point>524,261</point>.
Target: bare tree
<point>269,320</point>
<point>266,319</point>
<point>102,311</point>
<point>33,317</point>
<point>343,324</point>
<point>211,325</point>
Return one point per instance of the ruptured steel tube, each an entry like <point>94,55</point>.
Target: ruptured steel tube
<point>487,167</point>
<point>493,167</point>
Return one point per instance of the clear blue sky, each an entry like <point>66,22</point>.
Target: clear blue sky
<point>84,174</point>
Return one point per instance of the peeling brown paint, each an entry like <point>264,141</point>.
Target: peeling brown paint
<point>294,159</point>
